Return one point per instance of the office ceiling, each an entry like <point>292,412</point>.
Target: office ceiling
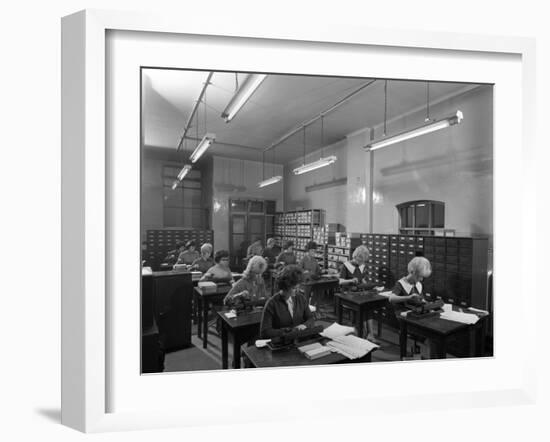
<point>281,103</point>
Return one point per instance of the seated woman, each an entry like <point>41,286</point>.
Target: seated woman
<point>287,256</point>
<point>189,255</point>
<point>255,248</point>
<point>205,261</point>
<point>310,266</point>
<point>220,272</point>
<point>410,288</point>
<point>251,286</point>
<point>354,273</point>
<point>271,252</point>
<point>287,310</point>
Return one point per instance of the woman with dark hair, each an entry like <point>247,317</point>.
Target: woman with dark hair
<point>310,267</point>
<point>219,272</point>
<point>189,255</point>
<point>287,256</point>
<point>288,309</point>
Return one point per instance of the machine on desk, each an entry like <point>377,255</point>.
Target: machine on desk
<point>290,339</point>
<point>243,305</point>
<point>424,309</point>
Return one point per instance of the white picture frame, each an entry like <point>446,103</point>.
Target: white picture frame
<point>87,210</point>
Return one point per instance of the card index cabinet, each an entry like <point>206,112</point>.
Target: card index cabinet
<point>459,265</point>
<point>459,270</point>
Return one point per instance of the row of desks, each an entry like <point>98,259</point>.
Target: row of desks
<point>245,327</point>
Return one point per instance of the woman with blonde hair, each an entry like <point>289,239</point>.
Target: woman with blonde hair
<point>355,273</point>
<point>410,287</point>
<point>251,286</point>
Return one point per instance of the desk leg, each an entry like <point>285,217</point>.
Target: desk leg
<point>338,308</point>
<point>199,317</point>
<point>205,309</point>
<point>473,350</point>
<point>403,339</point>
<point>225,345</point>
<point>359,316</point>
<point>438,348</point>
<point>247,362</point>
<point>236,351</point>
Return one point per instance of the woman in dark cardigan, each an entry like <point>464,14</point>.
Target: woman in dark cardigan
<point>288,309</point>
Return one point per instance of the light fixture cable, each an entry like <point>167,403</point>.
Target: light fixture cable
<point>385,105</point>
<point>427,119</point>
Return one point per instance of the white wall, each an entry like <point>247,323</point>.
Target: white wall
<point>246,174</point>
<point>333,199</point>
<point>452,165</point>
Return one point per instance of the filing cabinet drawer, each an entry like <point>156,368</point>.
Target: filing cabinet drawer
<point>452,251</point>
<point>465,243</point>
<point>451,267</point>
<point>452,259</point>
<point>439,250</point>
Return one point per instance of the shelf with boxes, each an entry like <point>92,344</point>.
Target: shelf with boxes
<point>297,226</point>
<point>161,241</point>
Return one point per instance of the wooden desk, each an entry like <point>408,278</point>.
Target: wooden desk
<point>263,357</point>
<point>321,286</point>
<point>202,303</point>
<point>362,303</point>
<point>438,331</point>
<point>242,328</point>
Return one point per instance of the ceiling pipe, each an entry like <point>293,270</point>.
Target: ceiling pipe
<point>320,115</point>
<point>194,111</point>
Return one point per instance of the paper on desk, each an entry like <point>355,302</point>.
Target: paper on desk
<point>230,314</point>
<point>386,294</point>
<point>351,346</point>
<point>336,330</point>
<point>465,318</point>
<point>260,343</point>
<point>473,309</point>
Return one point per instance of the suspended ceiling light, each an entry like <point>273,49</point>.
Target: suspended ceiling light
<point>269,181</point>
<point>315,165</point>
<point>184,171</point>
<point>242,95</point>
<point>175,184</point>
<point>205,143</point>
<point>456,118</point>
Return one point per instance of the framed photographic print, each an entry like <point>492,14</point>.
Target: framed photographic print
<point>280,208</point>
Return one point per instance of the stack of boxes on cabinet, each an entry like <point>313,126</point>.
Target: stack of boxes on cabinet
<point>297,226</point>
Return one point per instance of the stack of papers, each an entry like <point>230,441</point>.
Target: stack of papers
<point>336,330</point>
<point>314,351</point>
<point>465,318</point>
<point>351,347</point>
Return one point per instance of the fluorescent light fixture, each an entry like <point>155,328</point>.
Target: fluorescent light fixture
<point>315,165</point>
<point>184,171</point>
<point>175,185</point>
<point>205,143</point>
<point>270,181</point>
<point>422,130</point>
<point>238,100</point>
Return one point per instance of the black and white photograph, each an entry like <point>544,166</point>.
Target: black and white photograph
<point>302,220</point>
